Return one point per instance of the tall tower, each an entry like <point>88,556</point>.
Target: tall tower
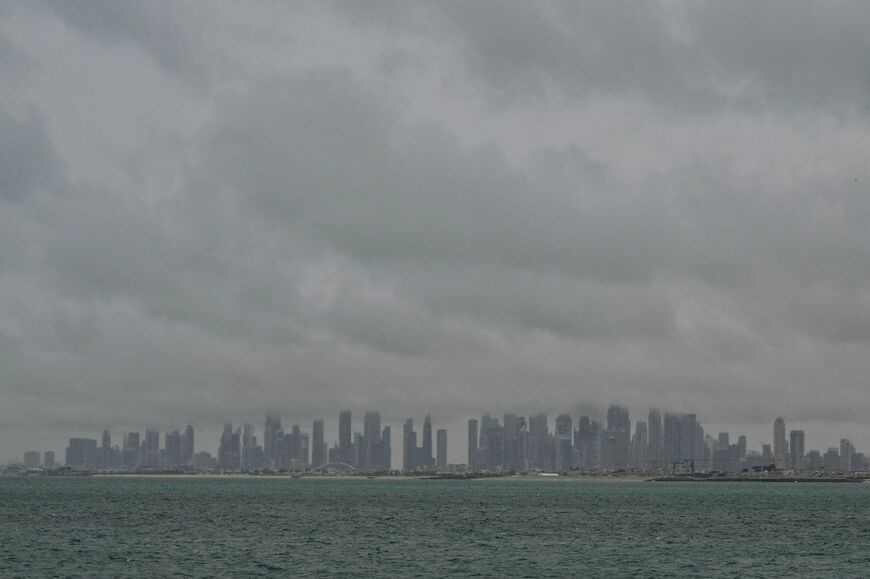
<point>472,443</point>
<point>272,433</point>
<point>564,446</point>
<point>318,446</point>
<point>372,441</point>
<point>344,437</point>
<point>106,450</point>
<point>780,449</point>
<point>441,463</point>
<point>654,427</point>
<point>427,441</point>
<point>187,446</point>
<point>409,446</point>
<point>796,449</point>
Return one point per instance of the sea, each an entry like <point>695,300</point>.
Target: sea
<point>208,526</point>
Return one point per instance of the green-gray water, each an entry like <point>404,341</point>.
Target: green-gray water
<point>146,527</point>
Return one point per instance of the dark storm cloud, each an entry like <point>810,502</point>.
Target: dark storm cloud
<point>302,208</point>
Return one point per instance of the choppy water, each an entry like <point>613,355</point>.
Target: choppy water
<point>196,527</point>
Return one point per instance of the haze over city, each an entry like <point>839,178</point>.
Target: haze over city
<point>210,211</point>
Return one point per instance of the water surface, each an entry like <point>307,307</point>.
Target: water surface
<point>210,526</point>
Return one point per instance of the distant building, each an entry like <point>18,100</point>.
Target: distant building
<point>345,437</point>
<point>48,460</point>
<point>656,440</point>
<point>847,452</point>
<point>173,450</point>
<point>130,450</point>
<point>428,459</point>
<point>32,459</point>
<point>81,453</point>
<point>796,449</point>
<point>683,440</point>
<point>272,432</point>
<point>472,444</point>
<point>409,447</point>
<point>564,446</point>
<point>780,448</point>
<point>318,445</point>
<point>187,446</point>
<point>441,462</point>
<point>230,451</point>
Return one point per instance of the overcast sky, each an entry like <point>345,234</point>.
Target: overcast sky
<point>211,210</point>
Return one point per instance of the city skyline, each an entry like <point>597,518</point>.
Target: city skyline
<point>589,443</point>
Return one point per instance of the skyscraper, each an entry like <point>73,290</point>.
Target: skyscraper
<point>409,447</point>
<point>779,445</point>
<point>187,446</point>
<point>48,460</point>
<point>386,449</point>
<point>640,445</point>
<point>656,439</point>
<point>683,440</point>
<point>344,436</point>
<point>796,449</point>
<point>371,454</point>
<point>272,432</point>
<point>847,452</point>
<point>106,451</point>
<point>172,449</point>
<point>564,447</point>
<point>539,457</point>
<point>131,449</point>
<point>427,441</point>
<point>619,430</point>
<point>81,453</point>
<point>441,462</point>
<point>472,444</point>
<point>318,445</point>
<point>150,451</point>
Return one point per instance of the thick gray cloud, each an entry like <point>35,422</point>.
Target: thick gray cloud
<point>211,211</point>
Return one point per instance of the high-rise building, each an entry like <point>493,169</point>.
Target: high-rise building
<point>187,446</point>
<point>472,444</point>
<point>409,447</point>
<point>372,454</point>
<point>441,461</point>
<point>796,449</point>
<point>640,445</point>
<point>428,459</point>
<point>386,449</point>
<point>105,460</point>
<point>48,460</point>
<point>539,435</point>
<point>619,431</point>
<point>587,442</point>
<point>724,440</point>
<point>564,446</point>
<point>172,449</point>
<point>847,452</point>
<point>741,447</point>
<point>656,440</point>
<point>780,449</point>
<point>683,441</point>
<point>149,455</point>
<point>130,450</point>
<point>272,433</point>
<point>318,445</point>
<point>32,459</point>
<point>81,453</point>
<point>345,440</point>
<point>229,451</point>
